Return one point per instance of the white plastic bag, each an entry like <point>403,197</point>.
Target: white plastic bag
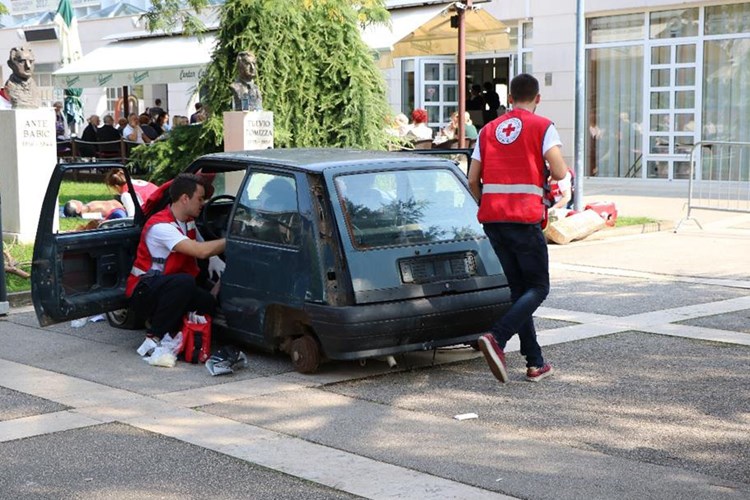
<point>173,345</point>
<point>162,356</point>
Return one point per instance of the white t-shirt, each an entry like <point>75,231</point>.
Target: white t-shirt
<point>129,130</point>
<point>420,132</point>
<point>127,202</point>
<point>551,139</point>
<point>163,237</point>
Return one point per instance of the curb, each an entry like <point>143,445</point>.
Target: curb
<point>20,299</point>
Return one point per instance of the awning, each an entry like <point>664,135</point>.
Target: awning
<point>426,31</point>
<point>144,61</point>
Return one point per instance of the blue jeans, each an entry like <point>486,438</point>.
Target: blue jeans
<point>522,251</point>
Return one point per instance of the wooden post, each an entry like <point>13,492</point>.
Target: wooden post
<point>462,73</point>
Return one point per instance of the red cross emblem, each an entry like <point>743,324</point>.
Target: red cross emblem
<point>509,130</point>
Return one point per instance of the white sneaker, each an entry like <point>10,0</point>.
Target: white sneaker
<point>147,347</point>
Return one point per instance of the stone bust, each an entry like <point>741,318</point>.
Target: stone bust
<point>245,93</point>
<point>20,87</point>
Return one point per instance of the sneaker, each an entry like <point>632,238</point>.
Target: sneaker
<point>494,355</point>
<point>535,374</point>
<point>147,347</point>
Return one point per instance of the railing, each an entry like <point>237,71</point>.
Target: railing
<point>75,149</point>
<point>719,178</point>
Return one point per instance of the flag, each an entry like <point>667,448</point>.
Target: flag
<point>67,25</point>
<point>70,50</point>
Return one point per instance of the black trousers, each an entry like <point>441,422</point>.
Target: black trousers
<point>164,299</point>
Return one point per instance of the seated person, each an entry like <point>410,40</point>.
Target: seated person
<point>470,130</point>
<point>107,209</point>
<point>400,126</point>
<point>450,131</point>
<point>419,130</point>
<point>116,180</point>
<point>109,135</point>
<point>148,129</point>
<point>89,136</point>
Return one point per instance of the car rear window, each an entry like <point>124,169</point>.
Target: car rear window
<point>406,207</point>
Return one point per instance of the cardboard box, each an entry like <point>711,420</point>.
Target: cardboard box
<point>575,227</point>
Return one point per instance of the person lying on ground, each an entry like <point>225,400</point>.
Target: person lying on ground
<point>107,209</point>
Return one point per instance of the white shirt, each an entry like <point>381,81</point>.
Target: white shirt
<point>420,131</point>
<point>129,130</point>
<point>551,139</point>
<point>163,237</point>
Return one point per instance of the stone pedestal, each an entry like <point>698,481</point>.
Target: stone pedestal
<point>245,130</point>
<point>29,154</point>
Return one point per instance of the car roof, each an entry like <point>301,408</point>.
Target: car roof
<point>320,159</point>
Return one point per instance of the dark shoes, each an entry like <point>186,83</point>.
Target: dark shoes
<point>494,355</point>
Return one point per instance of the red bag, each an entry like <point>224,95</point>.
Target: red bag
<point>196,340</point>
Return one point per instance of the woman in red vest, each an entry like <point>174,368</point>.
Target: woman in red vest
<point>115,179</point>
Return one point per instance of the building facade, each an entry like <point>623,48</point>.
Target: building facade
<point>660,76</point>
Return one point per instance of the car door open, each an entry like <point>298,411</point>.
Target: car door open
<point>84,247</point>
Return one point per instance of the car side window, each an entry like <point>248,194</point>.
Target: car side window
<point>267,210</point>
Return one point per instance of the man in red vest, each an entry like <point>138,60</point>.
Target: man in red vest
<point>508,176</point>
<point>162,283</point>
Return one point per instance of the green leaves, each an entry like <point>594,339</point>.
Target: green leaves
<point>315,73</point>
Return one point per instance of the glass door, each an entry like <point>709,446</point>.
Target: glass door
<point>671,120</point>
<point>438,89</point>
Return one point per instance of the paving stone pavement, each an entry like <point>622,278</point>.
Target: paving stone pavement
<point>651,399</point>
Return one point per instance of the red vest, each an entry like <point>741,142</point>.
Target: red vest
<point>175,263</point>
<point>513,169</point>
<point>143,189</point>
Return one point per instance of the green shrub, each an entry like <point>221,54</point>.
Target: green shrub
<point>315,74</point>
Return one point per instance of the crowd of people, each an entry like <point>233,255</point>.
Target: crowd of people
<point>102,136</point>
<point>417,130</point>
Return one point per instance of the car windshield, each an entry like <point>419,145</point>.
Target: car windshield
<point>407,207</point>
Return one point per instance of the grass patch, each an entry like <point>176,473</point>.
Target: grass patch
<point>23,254</point>
<point>83,191</point>
<point>633,221</point>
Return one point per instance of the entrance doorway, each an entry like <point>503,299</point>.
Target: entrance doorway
<point>480,71</point>
<point>432,84</point>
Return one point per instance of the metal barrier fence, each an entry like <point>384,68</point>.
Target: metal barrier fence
<point>719,178</point>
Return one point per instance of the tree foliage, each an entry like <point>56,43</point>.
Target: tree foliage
<point>315,73</point>
<point>3,9</point>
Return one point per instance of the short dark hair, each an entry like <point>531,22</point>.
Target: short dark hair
<point>70,209</point>
<point>185,184</point>
<point>157,102</point>
<point>524,88</point>
<point>198,105</point>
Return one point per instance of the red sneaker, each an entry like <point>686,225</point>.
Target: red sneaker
<point>494,355</point>
<point>536,374</point>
